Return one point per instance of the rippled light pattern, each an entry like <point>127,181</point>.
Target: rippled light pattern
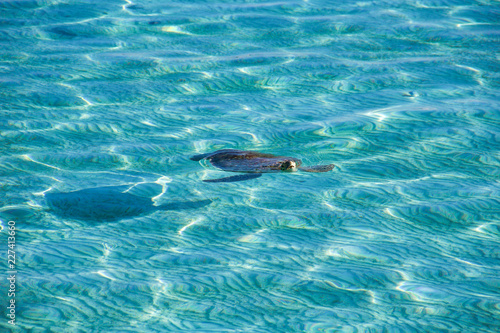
<point>402,96</point>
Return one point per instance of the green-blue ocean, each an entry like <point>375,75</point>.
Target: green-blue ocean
<point>107,225</point>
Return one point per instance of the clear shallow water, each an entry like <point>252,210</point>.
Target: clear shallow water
<point>402,96</point>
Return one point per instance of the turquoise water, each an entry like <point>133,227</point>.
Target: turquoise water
<point>113,97</point>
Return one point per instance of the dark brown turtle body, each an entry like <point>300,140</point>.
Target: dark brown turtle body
<point>254,163</point>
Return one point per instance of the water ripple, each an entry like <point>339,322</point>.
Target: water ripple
<point>402,97</point>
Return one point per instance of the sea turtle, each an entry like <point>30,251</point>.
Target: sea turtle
<point>254,163</point>
<point>109,203</point>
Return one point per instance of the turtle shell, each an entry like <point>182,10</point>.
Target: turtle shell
<point>248,161</point>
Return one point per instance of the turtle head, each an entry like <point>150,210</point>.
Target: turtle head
<point>288,166</point>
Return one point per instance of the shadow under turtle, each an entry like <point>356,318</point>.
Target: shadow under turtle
<point>109,203</point>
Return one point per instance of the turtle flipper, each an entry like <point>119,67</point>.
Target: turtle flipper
<point>318,168</point>
<point>236,178</point>
<point>200,157</point>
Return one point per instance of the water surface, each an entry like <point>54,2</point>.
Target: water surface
<point>402,96</point>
